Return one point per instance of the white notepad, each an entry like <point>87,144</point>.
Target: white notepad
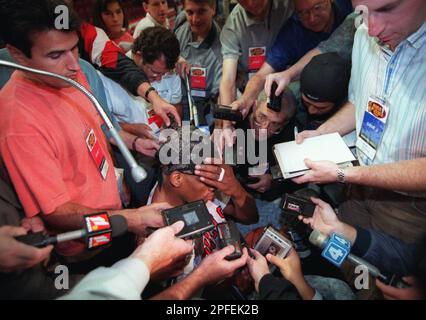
<point>290,156</point>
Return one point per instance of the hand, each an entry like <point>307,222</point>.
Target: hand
<point>243,105</point>
<point>263,185</point>
<point>215,267</point>
<point>163,109</point>
<point>320,172</point>
<point>16,256</point>
<point>142,130</point>
<point>291,270</point>
<point>414,292</point>
<point>224,136</point>
<point>162,249</point>
<point>306,134</point>
<point>324,218</point>
<point>146,216</point>
<point>148,147</point>
<point>258,267</point>
<point>33,224</point>
<point>210,174</point>
<point>183,67</point>
<point>281,78</point>
<point>290,267</point>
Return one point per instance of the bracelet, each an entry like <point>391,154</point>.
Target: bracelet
<point>134,143</point>
<point>148,92</point>
<point>340,175</point>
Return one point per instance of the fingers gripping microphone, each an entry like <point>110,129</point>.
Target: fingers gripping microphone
<point>138,173</point>
<point>98,231</point>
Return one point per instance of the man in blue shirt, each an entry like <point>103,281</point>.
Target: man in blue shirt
<point>312,22</point>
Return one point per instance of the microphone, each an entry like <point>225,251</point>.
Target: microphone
<point>98,231</point>
<point>334,251</point>
<point>138,173</point>
<point>317,238</point>
<point>193,113</point>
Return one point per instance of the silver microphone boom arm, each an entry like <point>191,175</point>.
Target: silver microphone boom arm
<point>138,173</point>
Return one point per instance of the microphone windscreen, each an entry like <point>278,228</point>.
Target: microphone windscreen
<point>118,225</point>
<point>318,239</point>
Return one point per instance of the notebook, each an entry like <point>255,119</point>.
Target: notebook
<point>290,156</point>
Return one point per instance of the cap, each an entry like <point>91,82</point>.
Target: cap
<point>326,78</point>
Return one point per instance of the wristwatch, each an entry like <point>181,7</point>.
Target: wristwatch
<point>148,92</point>
<point>134,143</point>
<point>341,175</point>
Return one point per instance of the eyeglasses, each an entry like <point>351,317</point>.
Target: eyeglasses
<point>316,10</point>
<point>155,73</point>
<point>261,121</point>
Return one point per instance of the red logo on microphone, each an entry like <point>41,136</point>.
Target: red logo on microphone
<point>99,240</point>
<point>97,222</point>
<point>98,230</point>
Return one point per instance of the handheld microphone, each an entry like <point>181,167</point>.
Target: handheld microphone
<point>98,231</point>
<point>317,238</point>
<point>193,112</point>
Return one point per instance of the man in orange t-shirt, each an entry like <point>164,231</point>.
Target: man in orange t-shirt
<point>50,136</point>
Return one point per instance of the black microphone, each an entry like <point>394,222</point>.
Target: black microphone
<point>117,227</point>
<point>317,238</point>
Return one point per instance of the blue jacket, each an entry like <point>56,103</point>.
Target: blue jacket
<point>389,254</point>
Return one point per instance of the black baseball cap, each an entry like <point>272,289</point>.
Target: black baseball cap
<point>326,78</point>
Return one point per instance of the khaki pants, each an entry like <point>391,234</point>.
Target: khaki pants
<point>403,217</point>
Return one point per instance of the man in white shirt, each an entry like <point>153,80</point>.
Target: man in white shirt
<point>156,15</point>
<point>387,107</point>
<point>155,51</point>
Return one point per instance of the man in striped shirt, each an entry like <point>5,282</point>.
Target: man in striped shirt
<point>388,75</point>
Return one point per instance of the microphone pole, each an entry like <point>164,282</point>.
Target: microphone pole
<point>138,173</point>
<point>193,112</point>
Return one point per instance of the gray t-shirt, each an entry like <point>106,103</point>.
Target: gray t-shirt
<point>242,32</point>
<point>341,40</point>
<point>205,54</point>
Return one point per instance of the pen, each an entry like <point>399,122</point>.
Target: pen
<point>296,132</point>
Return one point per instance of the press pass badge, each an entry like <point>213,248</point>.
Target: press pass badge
<point>373,126</point>
<point>256,58</point>
<point>97,154</point>
<point>198,82</point>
